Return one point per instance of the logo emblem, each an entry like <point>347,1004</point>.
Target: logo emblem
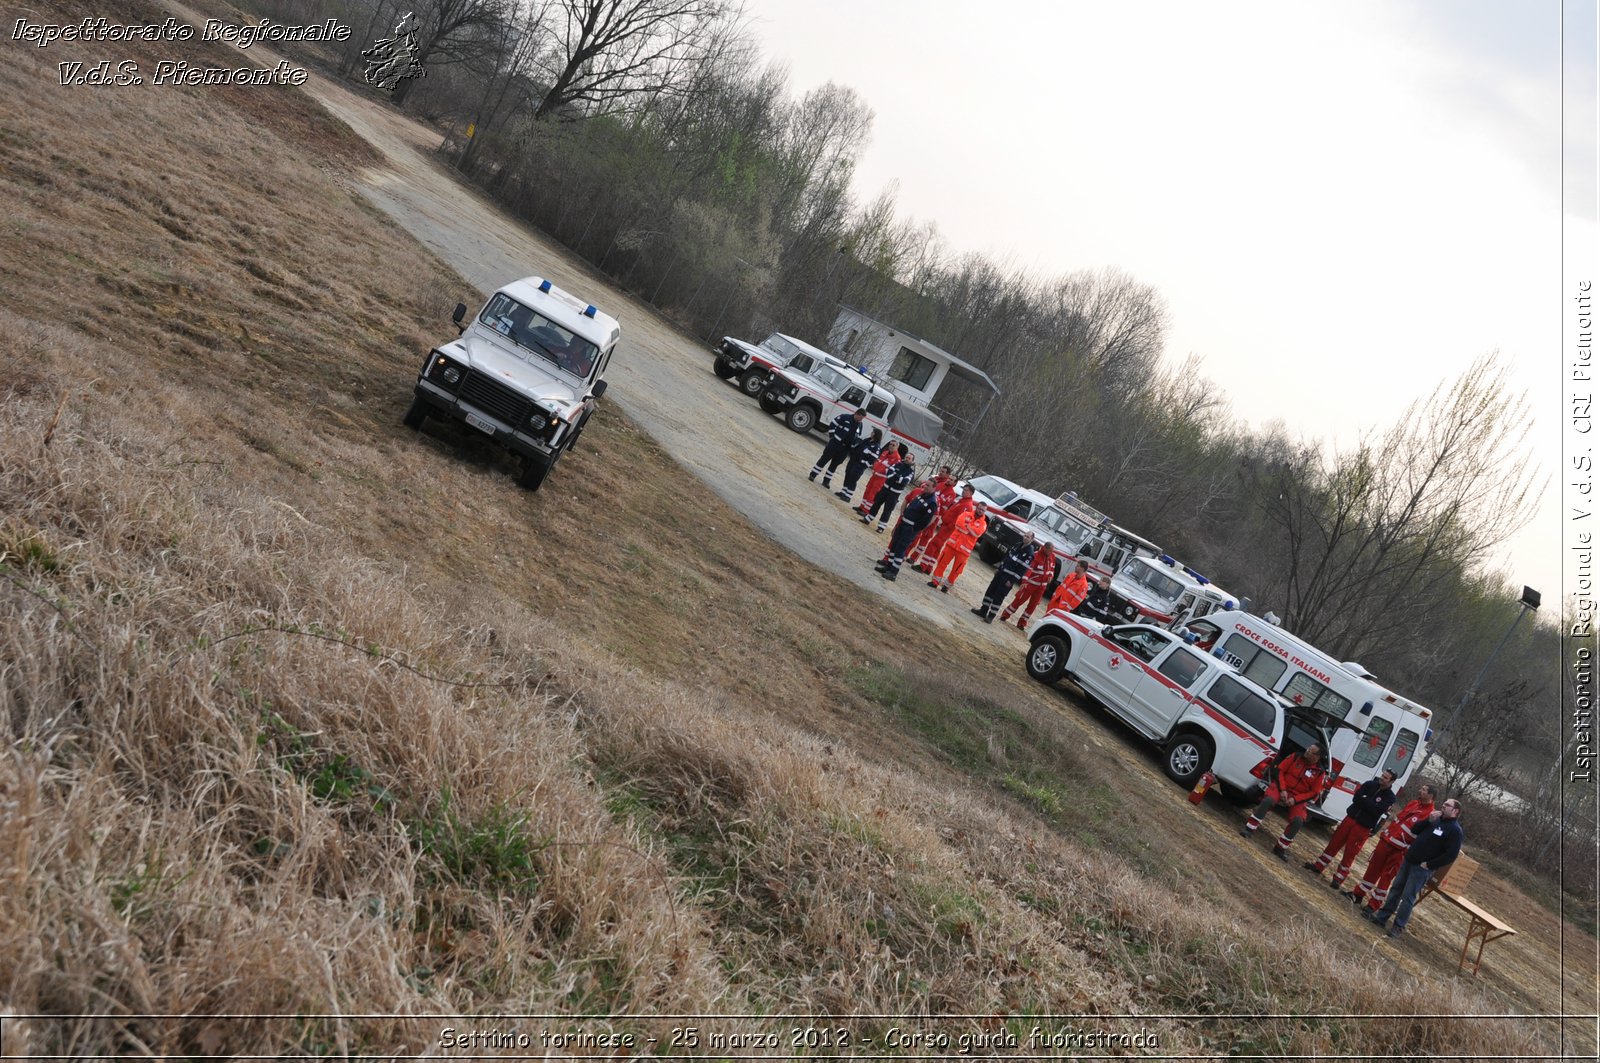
<point>1115,662</point>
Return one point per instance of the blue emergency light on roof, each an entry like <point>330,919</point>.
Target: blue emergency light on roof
<point>588,311</point>
<point>1429,736</point>
<point>544,285</point>
<point>1166,559</point>
<point>1366,710</point>
<point>1230,604</point>
<point>1201,580</point>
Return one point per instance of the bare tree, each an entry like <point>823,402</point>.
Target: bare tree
<point>450,31</point>
<point>1392,527</point>
<point>612,50</point>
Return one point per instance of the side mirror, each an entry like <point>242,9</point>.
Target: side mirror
<point>599,388</point>
<point>459,316</point>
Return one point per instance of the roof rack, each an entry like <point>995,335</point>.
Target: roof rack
<point>1078,508</point>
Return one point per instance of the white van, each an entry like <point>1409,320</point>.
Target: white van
<point>1380,729</point>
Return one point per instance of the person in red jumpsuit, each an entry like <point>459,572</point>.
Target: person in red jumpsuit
<point>1382,865</point>
<point>958,546</point>
<point>1294,782</point>
<point>1073,590</point>
<point>888,458</point>
<point>1040,573</point>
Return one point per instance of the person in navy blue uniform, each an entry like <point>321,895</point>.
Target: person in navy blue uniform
<point>918,514</point>
<point>862,455</point>
<point>889,494</point>
<point>1369,804</point>
<point>1438,843</point>
<point>1012,567</point>
<point>842,435</point>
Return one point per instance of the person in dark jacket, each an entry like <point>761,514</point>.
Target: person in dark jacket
<point>1097,605</point>
<point>919,512</point>
<point>842,435</point>
<point>862,455</point>
<point>1438,844</point>
<point>1371,802</point>
<point>1012,567</point>
<point>889,494</point>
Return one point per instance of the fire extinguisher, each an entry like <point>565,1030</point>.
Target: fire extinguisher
<point>1198,794</point>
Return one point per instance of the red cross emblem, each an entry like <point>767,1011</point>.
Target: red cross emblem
<point>1116,660</point>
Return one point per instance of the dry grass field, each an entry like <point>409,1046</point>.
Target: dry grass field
<point>317,721</point>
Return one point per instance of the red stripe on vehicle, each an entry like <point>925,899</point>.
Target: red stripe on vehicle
<point>1216,715</point>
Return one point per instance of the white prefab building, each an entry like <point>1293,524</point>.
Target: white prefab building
<point>910,364</point>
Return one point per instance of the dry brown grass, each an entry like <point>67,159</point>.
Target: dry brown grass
<point>307,715</point>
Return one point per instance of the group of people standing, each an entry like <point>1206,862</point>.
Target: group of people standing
<point>1414,844</point>
<point>940,526</point>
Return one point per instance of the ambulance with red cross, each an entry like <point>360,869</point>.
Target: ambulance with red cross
<point>1198,708</point>
<point>1373,727</point>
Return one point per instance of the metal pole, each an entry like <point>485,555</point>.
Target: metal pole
<point>1444,727</point>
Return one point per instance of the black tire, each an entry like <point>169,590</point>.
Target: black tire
<point>415,415</point>
<point>1188,756</point>
<point>770,404</point>
<point>754,382</point>
<point>724,370</point>
<point>802,417</point>
<point>535,467</point>
<point>1047,657</point>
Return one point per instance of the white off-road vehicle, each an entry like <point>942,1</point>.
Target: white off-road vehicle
<point>809,401</point>
<point>527,372</point>
<point>754,363</point>
<point>1158,590</point>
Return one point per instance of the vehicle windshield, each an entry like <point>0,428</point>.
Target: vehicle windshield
<point>993,489</point>
<point>539,336</point>
<point>784,348</point>
<point>1070,530</point>
<point>831,379</point>
<point>1154,581</point>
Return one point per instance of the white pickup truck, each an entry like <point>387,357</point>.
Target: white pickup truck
<point>754,363</point>
<point>1202,712</point>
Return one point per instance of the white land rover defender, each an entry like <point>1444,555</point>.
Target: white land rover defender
<point>526,372</point>
<point>754,363</point>
<point>811,400</point>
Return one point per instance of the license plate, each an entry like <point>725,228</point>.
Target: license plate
<point>480,423</point>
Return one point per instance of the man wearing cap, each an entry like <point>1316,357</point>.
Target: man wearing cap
<point>1438,843</point>
<point>1369,804</point>
<point>842,435</point>
<point>1014,566</point>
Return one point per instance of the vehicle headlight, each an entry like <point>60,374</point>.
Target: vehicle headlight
<point>1130,612</point>
<point>538,421</point>
<point>452,375</point>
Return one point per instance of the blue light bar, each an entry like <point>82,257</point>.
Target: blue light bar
<point>544,285</point>
<point>588,311</point>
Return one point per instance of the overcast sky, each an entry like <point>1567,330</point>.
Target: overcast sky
<point>1343,204</point>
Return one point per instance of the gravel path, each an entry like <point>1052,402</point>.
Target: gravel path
<point>659,376</point>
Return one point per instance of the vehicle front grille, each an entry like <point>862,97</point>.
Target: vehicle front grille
<point>496,399</point>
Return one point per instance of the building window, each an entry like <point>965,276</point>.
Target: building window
<point>912,368</point>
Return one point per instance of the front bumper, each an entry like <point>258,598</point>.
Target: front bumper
<point>444,403</point>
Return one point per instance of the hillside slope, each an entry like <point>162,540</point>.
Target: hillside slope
<point>311,717</point>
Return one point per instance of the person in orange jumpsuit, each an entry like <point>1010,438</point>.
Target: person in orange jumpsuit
<point>1396,838</point>
<point>925,551</point>
<point>1367,808</point>
<point>1073,590</point>
<point>958,547</point>
<point>1294,782</point>
<point>888,458</point>
<point>1040,573</point>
